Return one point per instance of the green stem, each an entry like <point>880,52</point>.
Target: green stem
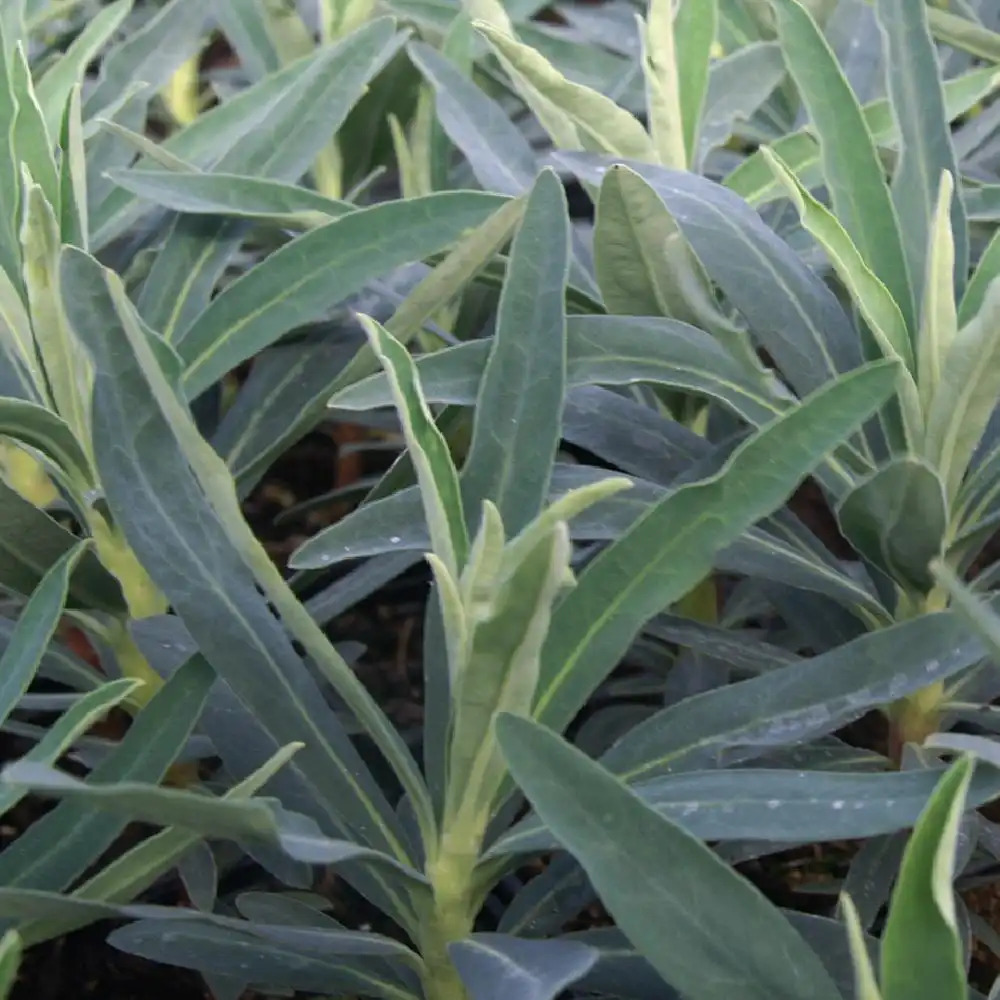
<point>913,718</point>
<point>451,872</point>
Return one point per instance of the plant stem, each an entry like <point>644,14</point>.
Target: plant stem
<point>913,718</point>
<point>451,874</point>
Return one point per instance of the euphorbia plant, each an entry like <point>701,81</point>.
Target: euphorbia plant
<point>918,482</point>
<point>499,573</point>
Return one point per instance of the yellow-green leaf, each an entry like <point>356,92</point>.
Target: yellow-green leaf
<point>575,116</point>
<point>939,316</point>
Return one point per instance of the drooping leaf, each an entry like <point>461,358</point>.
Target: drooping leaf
<point>306,959</point>
<point>127,875</point>
<point>219,193</point>
<point>253,819</point>
<point>75,722</point>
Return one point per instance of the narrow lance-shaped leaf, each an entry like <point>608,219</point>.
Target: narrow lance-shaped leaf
<point>501,673</point>
<point>32,139</point>
<point>75,722</point>
<point>913,76</point>
<point>66,72</point>
<point>865,984</point>
<point>777,806</point>
<point>436,473</point>
<point>791,312</point>
<point>67,368</point>
<point>660,884</point>
<point>876,305</point>
<point>939,315</point>
<point>253,819</point>
<point>921,948</point>
<point>195,559</point>
<point>195,253</point>
<point>695,29</point>
<point>516,426</point>
<point>851,165</point>
<point>672,546</point>
<point>10,962</point>
<point>74,219</point>
<point>35,627</point>
<point>602,350</point>
<point>10,175</point>
<point>316,271</point>
<point>233,194</point>
<point>467,258</point>
<point>65,841</point>
<point>753,179</point>
<point>966,394</point>
<point>133,871</point>
<point>646,267</point>
<point>661,69</point>
<point>798,702</point>
<point>500,156</point>
<point>873,299</point>
<point>574,115</point>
